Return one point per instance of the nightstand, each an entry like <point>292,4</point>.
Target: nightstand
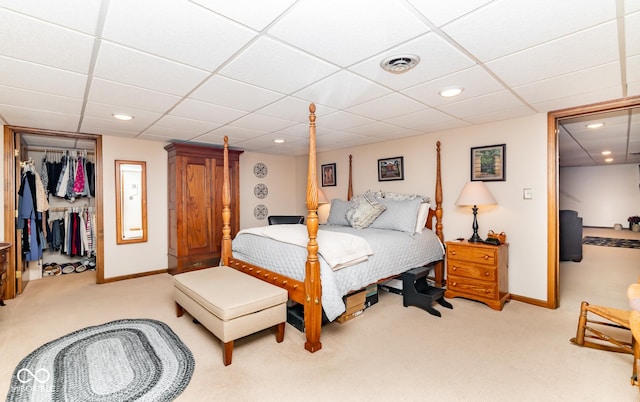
<point>478,271</point>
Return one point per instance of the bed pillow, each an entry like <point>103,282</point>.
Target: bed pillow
<point>364,211</point>
<point>423,214</point>
<point>398,215</point>
<point>338,212</point>
<point>402,196</point>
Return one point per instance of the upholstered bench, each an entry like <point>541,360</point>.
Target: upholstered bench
<point>230,304</point>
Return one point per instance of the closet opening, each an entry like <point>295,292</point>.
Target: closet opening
<point>53,205</point>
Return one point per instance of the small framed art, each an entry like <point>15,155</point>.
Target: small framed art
<point>328,174</point>
<point>488,163</point>
<point>391,169</point>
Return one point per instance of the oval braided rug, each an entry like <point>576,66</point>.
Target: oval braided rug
<point>124,360</point>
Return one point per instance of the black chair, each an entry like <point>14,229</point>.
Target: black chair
<point>283,219</point>
<point>570,236</point>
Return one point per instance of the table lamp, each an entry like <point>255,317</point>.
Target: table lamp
<point>475,193</point>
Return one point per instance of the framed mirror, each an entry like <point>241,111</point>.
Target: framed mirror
<point>131,202</point>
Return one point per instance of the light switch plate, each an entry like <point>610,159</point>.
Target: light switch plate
<point>527,193</point>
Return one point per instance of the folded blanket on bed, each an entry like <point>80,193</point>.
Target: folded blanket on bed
<point>340,250</point>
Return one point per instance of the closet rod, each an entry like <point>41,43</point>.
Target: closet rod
<point>61,150</point>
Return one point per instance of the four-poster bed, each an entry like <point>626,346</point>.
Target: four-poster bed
<point>307,288</point>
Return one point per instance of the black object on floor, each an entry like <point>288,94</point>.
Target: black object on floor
<point>611,242</point>
<point>417,292</point>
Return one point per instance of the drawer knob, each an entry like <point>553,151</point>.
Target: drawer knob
<point>453,252</point>
<point>454,284</point>
<point>487,291</point>
<point>454,268</point>
<point>486,257</point>
<point>486,273</point>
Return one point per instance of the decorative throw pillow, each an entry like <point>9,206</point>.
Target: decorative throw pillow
<point>402,196</point>
<point>338,212</point>
<point>364,211</point>
<point>398,215</point>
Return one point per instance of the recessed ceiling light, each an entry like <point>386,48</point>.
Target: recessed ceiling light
<point>606,153</point>
<point>121,116</point>
<point>595,125</point>
<point>400,64</point>
<point>278,140</point>
<point>608,160</point>
<point>450,92</point>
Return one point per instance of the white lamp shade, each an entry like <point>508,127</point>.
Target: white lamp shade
<point>322,199</point>
<point>475,193</point>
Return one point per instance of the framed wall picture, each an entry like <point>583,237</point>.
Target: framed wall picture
<point>488,163</point>
<point>391,169</point>
<point>328,174</point>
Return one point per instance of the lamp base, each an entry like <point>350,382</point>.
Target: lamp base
<point>475,239</point>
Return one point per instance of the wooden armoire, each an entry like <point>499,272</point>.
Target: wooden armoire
<point>195,204</point>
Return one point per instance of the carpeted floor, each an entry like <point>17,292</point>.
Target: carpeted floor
<point>610,242</point>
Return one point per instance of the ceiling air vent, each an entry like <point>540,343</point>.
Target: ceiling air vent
<point>400,64</point>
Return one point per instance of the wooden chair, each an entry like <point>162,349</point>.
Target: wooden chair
<point>590,333</point>
<point>634,323</point>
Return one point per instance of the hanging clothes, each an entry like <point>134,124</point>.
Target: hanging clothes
<point>29,219</point>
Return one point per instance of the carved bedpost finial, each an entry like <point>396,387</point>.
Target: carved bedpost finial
<point>350,187</point>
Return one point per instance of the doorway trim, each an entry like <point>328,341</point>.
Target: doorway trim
<point>553,263</point>
<point>10,203</point>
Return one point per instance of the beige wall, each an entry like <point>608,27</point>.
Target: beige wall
<point>524,221</point>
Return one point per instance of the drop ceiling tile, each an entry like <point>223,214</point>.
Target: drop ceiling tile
<point>386,107</point>
<point>235,134</point>
<point>128,66</point>
<point>262,123</point>
<point>294,109</point>
<point>188,128</point>
<point>633,75</point>
<point>128,96</point>
<point>146,25</point>
<point>273,65</point>
<point>299,131</point>
<point>39,78</point>
<point>262,12</point>
<point>584,98</point>
<point>481,106</point>
<point>428,120</point>
<point>44,43</point>
<point>437,59</point>
<point>475,81</point>
<point>192,109</point>
<point>234,94</point>
<point>567,85</point>
<point>80,15</point>
<point>512,112</point>
<point>632,33</point>
<point>341,121</point>
<point>24,117</point>
<point>141,118</point>
<point>342,90</point>
<point>39,100</point>
<point>579,51</point>
<point>105,126</point>
<point>383,130</point>
<point>320,28</point>
<point>440,12</point>
<point>518,24</point>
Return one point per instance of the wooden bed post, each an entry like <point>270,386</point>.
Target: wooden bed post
<point>313,290</point>
<point>438,269</point>
<point>226,210</point>
<point>350,188</point>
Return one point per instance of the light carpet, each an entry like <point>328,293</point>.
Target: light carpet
<point>123,360</point>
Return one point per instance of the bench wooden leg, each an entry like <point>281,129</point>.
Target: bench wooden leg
<point>227,352</point>
<point>179,310</point>
<point>280,332</point>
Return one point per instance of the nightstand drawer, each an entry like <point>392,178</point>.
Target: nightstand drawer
<point>476,255</point>
<point>474,287</point>
<point>469,270</point>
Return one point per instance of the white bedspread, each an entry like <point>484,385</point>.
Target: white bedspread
<point>339,250</point>
<point>394,253</point>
